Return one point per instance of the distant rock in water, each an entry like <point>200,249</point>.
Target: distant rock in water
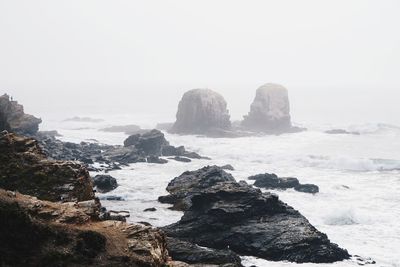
<point>341,131</point>
<point>272,181</point>
<point>83,119</point>
<point>222,213</point>
<point>25,168</point>
<point>13,118</point>
<point>270,110</point>
<point>150,143</point>
<point>127,129</point>
<point>201,111</point>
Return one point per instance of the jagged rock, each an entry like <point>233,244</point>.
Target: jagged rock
<point>193,254</point>
<point>150,143</point>
<point>182,188</point>
<point>221,213</point>
<point>201,111</point>
<point>272,181</point>
<point>105,183</point>
<point>13,118</point>
<point>42,233</point>
<point>25,168</point>
<point>270,110</point>
<point>127,129</point>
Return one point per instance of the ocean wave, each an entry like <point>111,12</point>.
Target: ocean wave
<point>374,128</point>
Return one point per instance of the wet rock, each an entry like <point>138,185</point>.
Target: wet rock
<point>341,131</point>
<point>150,143</point>
<point>14,119</point>
<point>157,160</point>
<point>42,233</point>
<point>25,168</point>
<point>228,167</point>
<point>105,183</point>
<point>173,151</point>
<point>150,209</point>
<point>193,254</point>
<point>272,181</point>
<point>270,111</point>
<point>201,111</point>
<point>221,213</point>
<point>181,159</point>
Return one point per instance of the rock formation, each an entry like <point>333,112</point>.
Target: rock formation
<point>42,233</point>
<point>201,111</point>
<point>222,213</point>
<point>13,118</point>
<point>24,167</point>
<point>270,110</point>
<point>272,181</point>
<point>104,183</point>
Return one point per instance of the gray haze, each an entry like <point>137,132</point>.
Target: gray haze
<point>339,59</point>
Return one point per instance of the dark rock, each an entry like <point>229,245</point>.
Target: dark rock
<point>193,254</point>
<point>132,140</point>
<point>201,111</point>
<point>14,119</point>
<point>341,131</point>
<point>223,213</point>
<point>157,160</point>
<point>228,167</point>
<point>24,167</point>
<point>181,189</point>
<point>105,183</point>
<point>192,155</point>
<point>272,181</point>
<point>150,209</point>
<point>173,151</point>
<point>114,198</point>
<point>150,143</point>
<point>181,159</point>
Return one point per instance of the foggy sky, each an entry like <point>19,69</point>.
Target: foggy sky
<point>133,51</point>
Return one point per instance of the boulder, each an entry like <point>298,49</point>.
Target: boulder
<point>193,254</point>
<point>272,181</point>
<point>25,168</point>
<point>14,119</point>
<point>201,111</point>
<point>42,233</point>
<point>270,110</point>
<point>222,213</point>
<point>105,183</point>
<point>149,143</point>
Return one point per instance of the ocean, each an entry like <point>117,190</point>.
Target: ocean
<point>358,206</point>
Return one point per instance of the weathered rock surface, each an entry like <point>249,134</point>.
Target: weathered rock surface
<point>221,213</point>
<point>193,254</point>
<point>105,183</point>
<point>42,233</point>
<point>270,110</point>
<point>25,168</point>
<point>14,119</point>
<point>201,111</point>
<point>272,181</point>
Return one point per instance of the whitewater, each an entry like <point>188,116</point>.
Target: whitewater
<point>358,206</point>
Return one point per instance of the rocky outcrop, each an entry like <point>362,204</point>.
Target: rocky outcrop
<point>25,168</point>
<point>193,254</point>
<point>270,110</point>
<point>104,183</point>
<point>42,233</point>
<point>272,181</point>
<point>221,213</point>
<point>14,119</point>
<point>202,111</point>
<point>149,143</point>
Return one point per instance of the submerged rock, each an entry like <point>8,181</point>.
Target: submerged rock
<point>201,111</point>
<point>14,119</point>
<point>221,213</point>
<point>105,183</point>
<point>25,168</point>
<point>270,110</point>
<point>272,181</point>
<point>42,233</point>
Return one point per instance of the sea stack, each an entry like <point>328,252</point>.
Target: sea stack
<point>270,110</point>
<point>202,111</point>
<point>14,119</point>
